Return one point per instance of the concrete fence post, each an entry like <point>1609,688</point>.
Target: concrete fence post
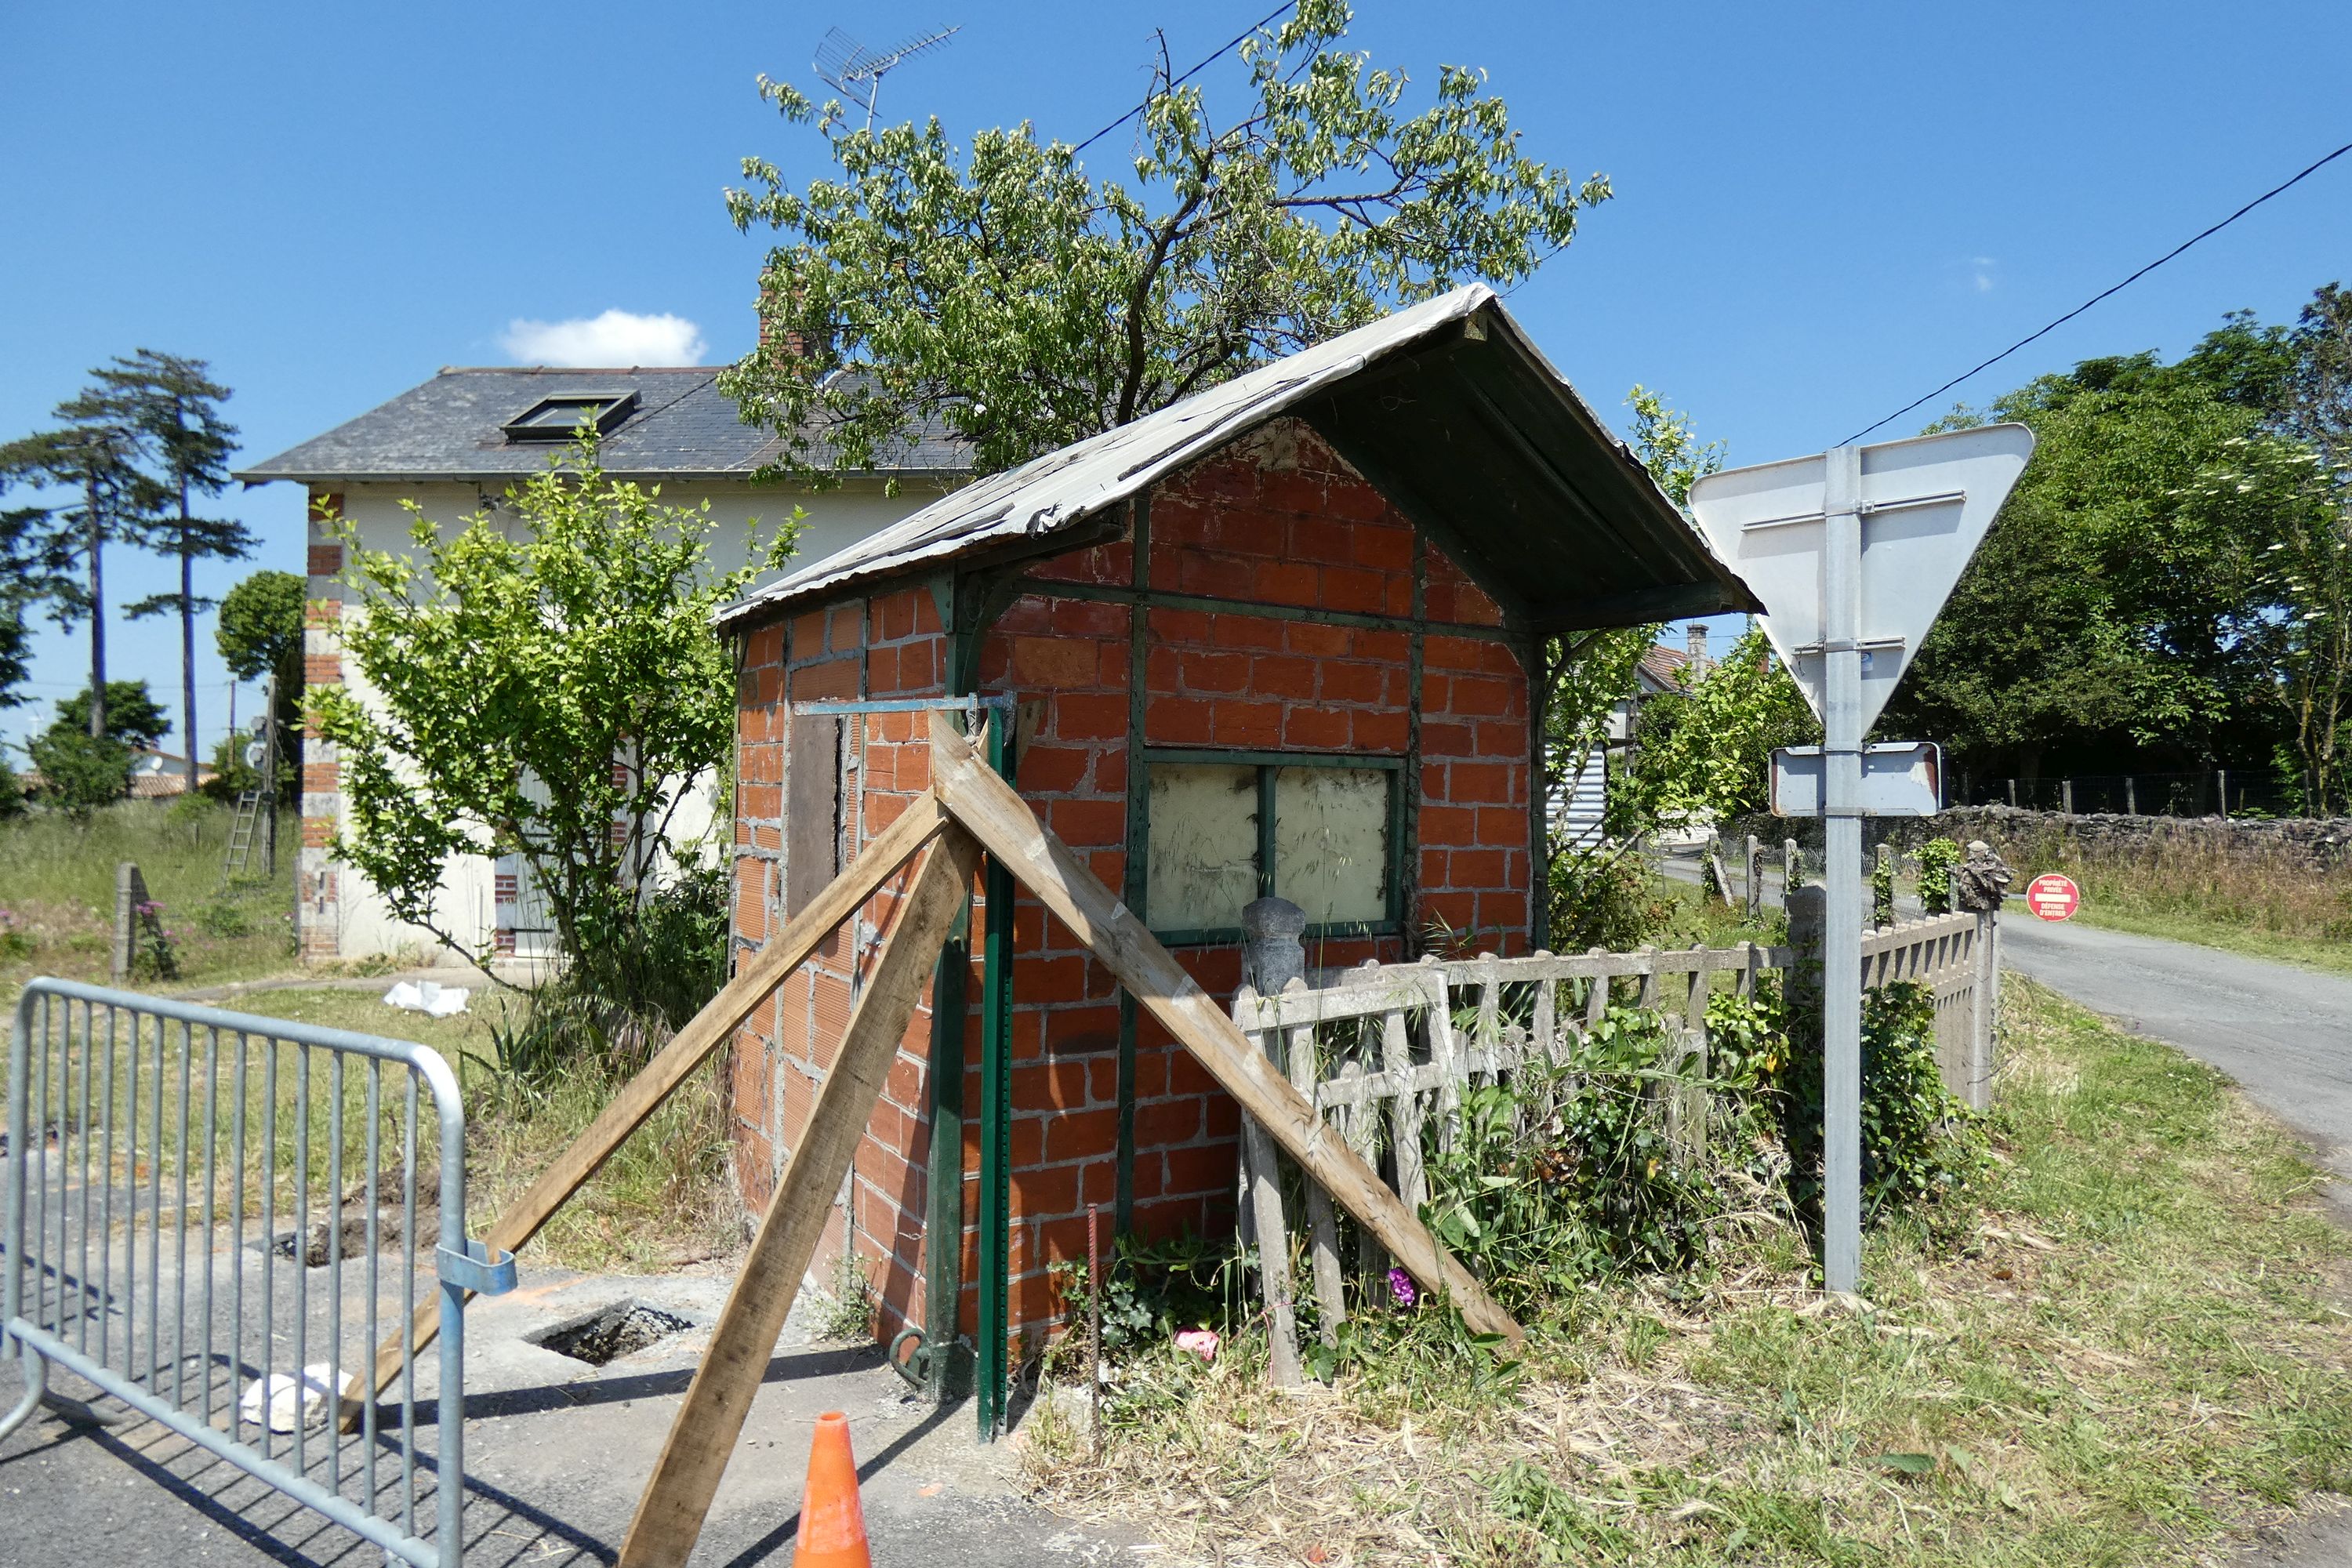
<point>1274,954</point>
<point>2065,797</point>
<point>130,892</point>
<point>1791,872</point>
<point>1984,1002</point>
<point>1755,878</point>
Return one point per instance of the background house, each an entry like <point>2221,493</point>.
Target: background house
<point>454,445</point>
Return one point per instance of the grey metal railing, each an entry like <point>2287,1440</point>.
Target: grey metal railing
<point>163,1244</point>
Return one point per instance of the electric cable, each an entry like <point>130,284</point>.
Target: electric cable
<point>1205,63</point>
<point>2176,250</point>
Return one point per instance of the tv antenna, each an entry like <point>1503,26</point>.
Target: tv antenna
<point>856,71</point>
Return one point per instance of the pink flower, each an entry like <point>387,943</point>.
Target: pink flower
<point>1202,1342</point>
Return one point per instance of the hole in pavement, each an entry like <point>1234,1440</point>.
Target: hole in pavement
<point>621,1328</point>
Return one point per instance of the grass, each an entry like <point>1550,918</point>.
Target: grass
<point>60,886</point>
<point>662,1201</point>
<point>2131,1346</point>
<point>2266,906</point>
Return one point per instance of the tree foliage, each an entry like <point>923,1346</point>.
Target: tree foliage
<point>2169,585</point>
<point>543,683</point>
<point>89,462</point>
<point>258,632</point>
<point>1704,753</point>
<point>1004,291</point>
<point>173,406</point>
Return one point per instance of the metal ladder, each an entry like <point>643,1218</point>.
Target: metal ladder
<point>243,829</point>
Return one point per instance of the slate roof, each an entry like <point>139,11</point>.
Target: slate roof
<point>450,428</point>
<point>1446,406</point>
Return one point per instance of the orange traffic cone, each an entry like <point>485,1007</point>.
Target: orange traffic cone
<point>833,1521</point>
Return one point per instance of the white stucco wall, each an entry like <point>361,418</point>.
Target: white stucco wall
<point>342,916</point>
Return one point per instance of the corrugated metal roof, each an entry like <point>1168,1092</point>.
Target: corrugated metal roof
<point>450,427</point>
<point>1467,392</point>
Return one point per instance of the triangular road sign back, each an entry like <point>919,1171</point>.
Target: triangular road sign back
<point>1926,505</point>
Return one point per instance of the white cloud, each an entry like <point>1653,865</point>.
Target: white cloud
<point>1980,270</point>
<point>615,338</point>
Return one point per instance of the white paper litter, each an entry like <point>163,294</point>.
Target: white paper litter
<point>427,997</point>
<point>283,1396</point>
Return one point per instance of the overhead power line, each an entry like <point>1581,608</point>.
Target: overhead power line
<point>2176,250</point>
<point>1206,61</point>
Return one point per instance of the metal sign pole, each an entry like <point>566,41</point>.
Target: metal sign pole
<point>1841,873</point>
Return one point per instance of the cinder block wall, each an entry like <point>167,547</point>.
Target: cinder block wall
<point>1277,520</point>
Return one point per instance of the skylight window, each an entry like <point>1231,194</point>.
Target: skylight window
<point>556,419</point>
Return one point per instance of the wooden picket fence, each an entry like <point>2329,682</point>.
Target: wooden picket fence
<point>1385,1052</point>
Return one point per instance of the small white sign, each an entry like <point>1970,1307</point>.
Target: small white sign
<point>1900,778</point>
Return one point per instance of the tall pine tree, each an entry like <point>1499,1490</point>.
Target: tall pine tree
<point>173,406</point>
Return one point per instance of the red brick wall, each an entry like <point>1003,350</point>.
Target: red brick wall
<point>1277,520</point>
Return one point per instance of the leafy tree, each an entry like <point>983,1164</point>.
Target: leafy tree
<point>80,772</point>
<point>259,633</point>
<point>93,456</point>
<point>30,574</point>
<point>1007,292</point>
<point>1589,674</point>
<point>2115,613</point>
<point>550,690</point>
<point>1705,752</point>
<point>132,714</point>
<point>173,406</point>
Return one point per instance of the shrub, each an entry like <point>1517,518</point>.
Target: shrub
<point>1605,896</point>
<point>1570,1169</point>
<point>80,772</point>
<point>1938,859</point>
<point>1919,1141</point>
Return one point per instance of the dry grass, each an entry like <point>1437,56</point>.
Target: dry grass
<point>2193,892</point>
<point>2133,1350</point>
<point>58,882</point>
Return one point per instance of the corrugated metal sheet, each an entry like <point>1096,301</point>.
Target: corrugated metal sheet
<point>1063,487</point>
<point>1446,406</point>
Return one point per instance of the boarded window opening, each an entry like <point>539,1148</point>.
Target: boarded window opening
<point>1223,833</point>
<point>1203,846</point>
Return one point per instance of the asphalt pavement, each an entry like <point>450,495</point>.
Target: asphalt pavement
<point>2283,1031</point>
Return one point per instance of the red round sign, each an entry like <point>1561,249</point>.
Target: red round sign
<point>2053,897</point>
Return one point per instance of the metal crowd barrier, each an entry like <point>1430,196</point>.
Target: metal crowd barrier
<point>213,1218</point>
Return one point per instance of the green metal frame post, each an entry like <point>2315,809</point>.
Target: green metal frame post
<point>1136,877</point>
<point>997,1119</point>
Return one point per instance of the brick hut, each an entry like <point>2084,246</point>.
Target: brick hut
<point>1277,638</point>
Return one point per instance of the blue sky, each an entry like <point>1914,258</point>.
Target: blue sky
<point>1822,211</point>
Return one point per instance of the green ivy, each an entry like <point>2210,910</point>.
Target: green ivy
<point>1938,859</point>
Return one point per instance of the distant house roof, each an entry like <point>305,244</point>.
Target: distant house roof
<point>1446,406</point>
<point>1661,668</point>
<point>455,427</point>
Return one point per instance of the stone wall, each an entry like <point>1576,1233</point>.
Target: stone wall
<point>2304,843</point>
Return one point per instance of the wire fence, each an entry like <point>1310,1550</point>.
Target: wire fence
<point>2209,792</point>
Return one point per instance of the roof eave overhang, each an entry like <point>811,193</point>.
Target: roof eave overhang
<point>1470,432</point>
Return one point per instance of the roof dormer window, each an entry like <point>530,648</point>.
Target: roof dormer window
<point>559,418</point>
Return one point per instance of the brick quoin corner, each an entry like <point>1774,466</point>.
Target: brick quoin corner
<point>1340,588</point>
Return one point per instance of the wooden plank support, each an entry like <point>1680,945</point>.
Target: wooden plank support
<point>687,1049</point>
<point>703,1433</point>
<point>993,813</point>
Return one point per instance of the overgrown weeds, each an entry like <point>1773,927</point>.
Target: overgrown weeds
<point>2194,888</point>
<point>2127,1342</point>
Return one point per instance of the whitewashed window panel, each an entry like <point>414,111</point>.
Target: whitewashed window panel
<point>1203,844</point>
<point>1331,842</point>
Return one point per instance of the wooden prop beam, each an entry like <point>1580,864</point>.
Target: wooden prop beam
<point>702,1436</point>
<point>687,1049</point>
<point>993,813</point>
